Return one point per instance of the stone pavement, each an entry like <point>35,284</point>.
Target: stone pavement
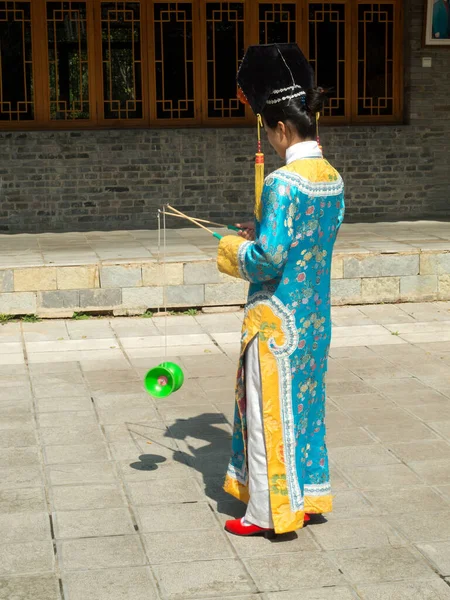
<point>106,494</point>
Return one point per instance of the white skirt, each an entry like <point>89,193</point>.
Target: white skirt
<point>258,509</point>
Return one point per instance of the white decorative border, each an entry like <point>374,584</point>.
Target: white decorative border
<point>283,98</point>
<point>288,324</point>
<point>287,89</point>
<point>320,188</point>
<point>242,250</point>
<point>319,489</point>
<point>235,473</point>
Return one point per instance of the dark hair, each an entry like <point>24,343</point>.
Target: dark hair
<point>299,112</point>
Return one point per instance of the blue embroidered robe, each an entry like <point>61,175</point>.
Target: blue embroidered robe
<point>288,309</point>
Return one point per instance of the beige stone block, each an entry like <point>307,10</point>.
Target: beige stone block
<point>222,294</point>
<point>185,295</point>
<point>35,279</point>
<point>201,272</point>
<point>381,265</point>
<point>145,297</point>
<point>435,263</point>
<point>345,291</point>
<point>337,267</point>
<point>121,276</point>
<point>419,288</point>
<point>444,287</point>
<point>156,274</point>
<point>77,278</point>
<point>18,303</point>
<point>380,289</point>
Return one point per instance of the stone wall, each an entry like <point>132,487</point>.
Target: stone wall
<point>134,287</point>
<point>56,181</point>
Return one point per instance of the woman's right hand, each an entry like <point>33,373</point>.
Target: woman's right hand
<point>247,230</point>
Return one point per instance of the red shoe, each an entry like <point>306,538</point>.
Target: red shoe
<point>306,518</point>
<point>238,527</point>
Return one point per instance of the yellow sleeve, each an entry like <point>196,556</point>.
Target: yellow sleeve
<point>227,255</point>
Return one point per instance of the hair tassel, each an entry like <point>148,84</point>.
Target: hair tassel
<point>317,131</point>
<point>259,171</point>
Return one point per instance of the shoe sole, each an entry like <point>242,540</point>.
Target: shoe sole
<point>267,534</point>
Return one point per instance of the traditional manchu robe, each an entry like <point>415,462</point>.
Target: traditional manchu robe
<point>288,312</point>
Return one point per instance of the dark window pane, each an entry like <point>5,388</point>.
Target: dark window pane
<point>68,60</point>
<point>375,59</point>
<point>327,52</point>
<point>122,62</point>
<point>16,72</point>
<point>277,23</point>
<point>174,60</point>
<point>224,52</point>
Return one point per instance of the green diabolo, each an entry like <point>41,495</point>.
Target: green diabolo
<point>163,380</point>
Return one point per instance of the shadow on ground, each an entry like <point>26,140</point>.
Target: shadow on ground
<point>210,459</point>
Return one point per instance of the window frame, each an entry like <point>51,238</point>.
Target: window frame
<point>40,67</point>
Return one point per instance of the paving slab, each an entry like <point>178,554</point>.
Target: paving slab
<point>37,587</point>
<point>92,523</point>
<point>411,499</point>
<point>133,583</point>
<point>328,593</point>
<point>134,484</point>
<point>424,526</point>
<point>406,590</point>
<point>366,565</point>
<point>101,552</point>
<point>291,571</point>
<point>26,558</point>
<point>179,581</point>
<point>22,527</point>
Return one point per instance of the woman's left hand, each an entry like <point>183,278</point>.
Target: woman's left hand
<point>247,230</point>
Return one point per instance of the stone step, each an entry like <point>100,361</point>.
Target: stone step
<point>57,284</point>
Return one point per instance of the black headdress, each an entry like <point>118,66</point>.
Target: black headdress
<point>273,73</point>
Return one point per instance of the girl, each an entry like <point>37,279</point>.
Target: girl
<point>279,463</point>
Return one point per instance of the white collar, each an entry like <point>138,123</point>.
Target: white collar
<point>303,150</point>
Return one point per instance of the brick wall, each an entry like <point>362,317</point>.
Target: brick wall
<point>52,181</point>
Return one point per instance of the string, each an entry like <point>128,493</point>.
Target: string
<point>159,249</point>
<point>165,282</point>
<point>290,73</point>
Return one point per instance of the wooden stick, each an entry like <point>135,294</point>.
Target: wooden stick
<point>180,214</point>
<point>199,220</point>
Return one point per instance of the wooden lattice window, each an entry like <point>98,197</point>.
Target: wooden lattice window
<point>277,22</point>
<point>137,63</point>
<point>327,37</point>
<point>68,69</point>
<point>16,63</point>
<point>174,87</point>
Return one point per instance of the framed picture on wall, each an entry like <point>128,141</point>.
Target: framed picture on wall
<point>437,23</point>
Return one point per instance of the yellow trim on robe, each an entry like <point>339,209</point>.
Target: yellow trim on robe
<point>227,255</point>
<point>236,489</point>
<point>308,169</point>
<point>318,505</point>
<point>283,518</point>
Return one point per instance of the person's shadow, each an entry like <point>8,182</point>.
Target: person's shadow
<point>210,458</point>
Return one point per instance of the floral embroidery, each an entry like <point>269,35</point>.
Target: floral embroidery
<point>278,485</point>
<point>266,331</point>
<point>280,453</point>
